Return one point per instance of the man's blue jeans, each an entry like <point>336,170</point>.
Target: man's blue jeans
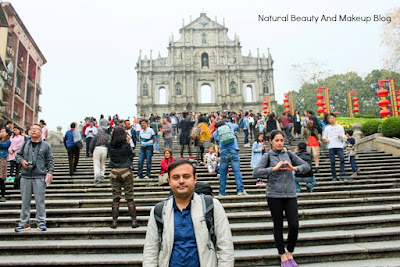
<point>308,180</point>
<point>353,163</point>
<point>246,135</point>
<point>230,156</point>
<point>156,145</point>
<point>332,153</point>
<point>144,153</point>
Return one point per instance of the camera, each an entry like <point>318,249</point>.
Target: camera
<point>31,165</point>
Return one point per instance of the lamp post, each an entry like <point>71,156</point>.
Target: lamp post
<point>326,107</point>
<point>351,104</point>
<point>392,93</point>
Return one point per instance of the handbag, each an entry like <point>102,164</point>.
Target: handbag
<point>163,179</point>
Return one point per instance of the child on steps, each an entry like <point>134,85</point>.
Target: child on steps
<point>257,151</point>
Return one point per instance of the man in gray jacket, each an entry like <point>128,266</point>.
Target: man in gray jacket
<point>185,236</point>
<point>37,162</point>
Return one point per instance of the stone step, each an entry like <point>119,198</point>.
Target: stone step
<point>252,202</point>
<point>100,217</point>
<point>249,257</point>
<point>128,243</point>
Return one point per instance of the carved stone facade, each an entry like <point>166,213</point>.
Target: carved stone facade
<point>204,71</point>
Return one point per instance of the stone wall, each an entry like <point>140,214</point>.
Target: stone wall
<point>380,143</point>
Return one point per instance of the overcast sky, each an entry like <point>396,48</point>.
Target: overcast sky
<point>92,46</point>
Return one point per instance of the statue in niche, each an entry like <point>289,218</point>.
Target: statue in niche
<point>266,89</point>
<point>178,89</point>
<point>145,91</point>
<point>205,60</point>
<point>233,89</point>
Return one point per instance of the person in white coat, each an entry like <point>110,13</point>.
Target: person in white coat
<point>185,236</point>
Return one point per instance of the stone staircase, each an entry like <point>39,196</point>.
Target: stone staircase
<point>339,221</point>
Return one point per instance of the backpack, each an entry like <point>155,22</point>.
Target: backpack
<point>208,211</point>
<point>195,133</point>
<point>225,134</point>
<point>321,124</point>
<point>251,120</point>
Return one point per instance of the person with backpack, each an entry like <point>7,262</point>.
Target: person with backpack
<point>252,125</point>
<point>351,152</point>
<point>177,234</point>
<point>309,178</point>
<point>202,134</point>
<point>229,154</point>
<point>98,151</point>
<point>73,143</point>
<point>278,165</point>
<point>186,126</point>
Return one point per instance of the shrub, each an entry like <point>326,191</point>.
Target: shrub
<point>391,127</point>
<point>366,116</point>
<point>370,127</point>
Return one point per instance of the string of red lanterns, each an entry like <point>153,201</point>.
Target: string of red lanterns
<point>286,105</point>
<point>265,106</point>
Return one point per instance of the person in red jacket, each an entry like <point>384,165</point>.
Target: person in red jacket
<point>168,159</point>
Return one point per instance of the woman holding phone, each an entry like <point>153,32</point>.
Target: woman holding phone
<point>278,166</point>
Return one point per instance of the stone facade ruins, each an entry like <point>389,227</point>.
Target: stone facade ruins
<point>204,71</point>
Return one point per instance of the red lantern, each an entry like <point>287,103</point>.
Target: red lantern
<point>398,98</point>
<point>320,104</point>
<point>287,110</point>
<point>286,100</point>
<point>356,110</point>
<point>319,97</point>
<point>383,103</point>
<point>355,104</point>
<point>320,110</point>
<point>384,113</point>
<point>355,99</point>
<point>382,93</point>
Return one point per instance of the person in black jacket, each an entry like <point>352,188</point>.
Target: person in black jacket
<point>121,156</point>
<point>308,177</point>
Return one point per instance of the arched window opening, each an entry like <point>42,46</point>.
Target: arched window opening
<point>233,88</point>
<point>163,96</point>
<point>205,93</point>
<point>249,93</point>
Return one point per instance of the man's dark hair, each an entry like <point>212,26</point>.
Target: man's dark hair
<point>180,162</point>
<point>350,132</point>
<point>42,121</point>
<point>73,125</point>
<point>118,137</point>
<point>101,116</point>
<point>145,120</point>
<point>302,146</point>
<point>310,112</point>
<point>246,113</point>
<point>8,122</point>
<point>332,114</point>
<point>203,119</point>
<point>127,120</point>
<point>219,124</point>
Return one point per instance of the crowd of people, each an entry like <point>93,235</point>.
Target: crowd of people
<point>207,141</point>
